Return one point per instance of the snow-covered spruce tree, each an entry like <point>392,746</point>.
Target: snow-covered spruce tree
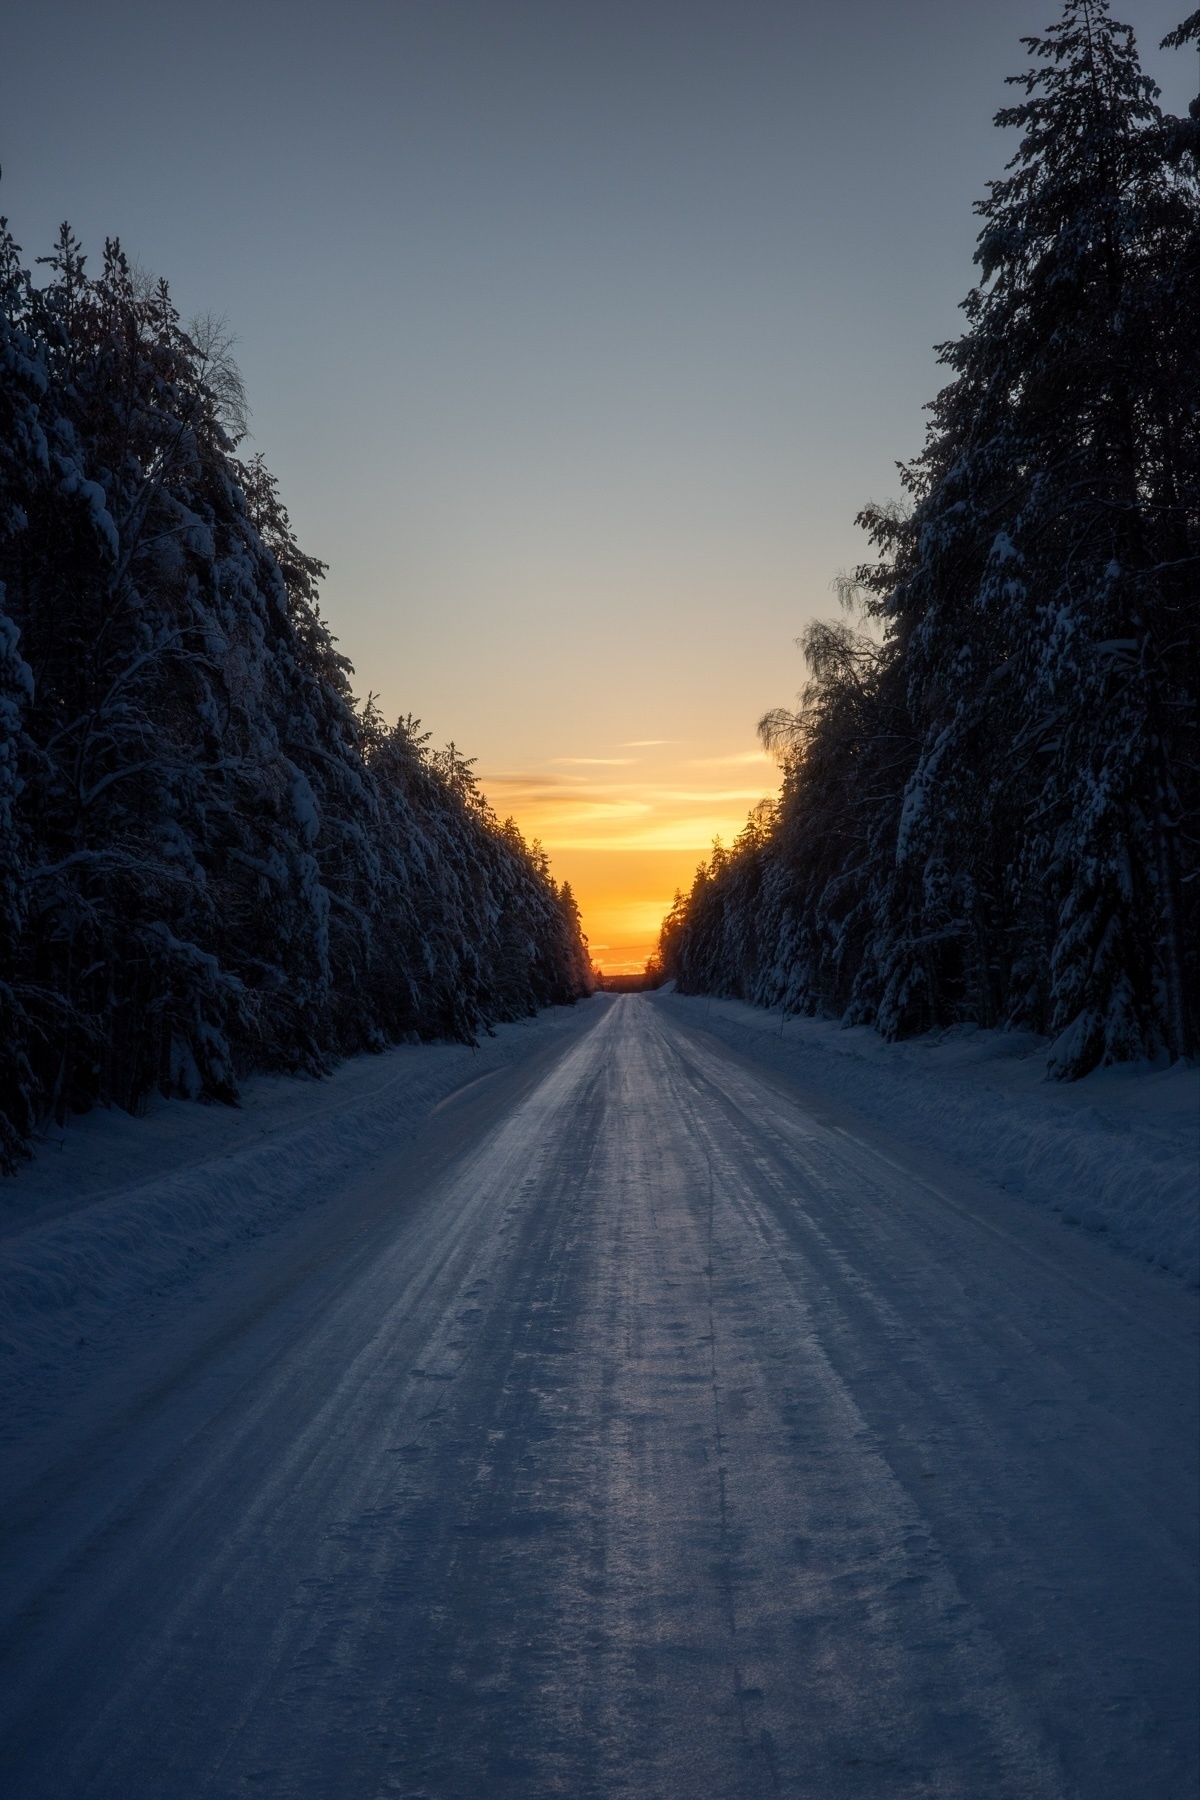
<point>782,916</point>
<point>475,930</point>
<point>1048,580</point>
<point>170,888</point>
<point>23,462</point>
<point>213,867</point>
<point>996,817</point>
<point>704,944</point>
<point>785,916</point>
<point>574,953</point>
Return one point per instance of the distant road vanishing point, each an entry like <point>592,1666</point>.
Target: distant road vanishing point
<point>646,1429</point>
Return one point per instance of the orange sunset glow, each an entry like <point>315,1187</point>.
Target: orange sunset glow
<point>627,826</point>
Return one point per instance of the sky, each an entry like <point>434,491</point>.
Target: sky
<point>576,334</point>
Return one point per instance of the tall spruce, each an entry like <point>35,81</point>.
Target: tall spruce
<point>1049,586</point>
<point>994,815</point>
<point>211,858</point>
<point>23,461</point>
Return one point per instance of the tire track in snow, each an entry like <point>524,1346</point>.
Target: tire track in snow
<point>668,1441</point>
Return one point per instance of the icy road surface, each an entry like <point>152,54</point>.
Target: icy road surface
<point>645,1429</point>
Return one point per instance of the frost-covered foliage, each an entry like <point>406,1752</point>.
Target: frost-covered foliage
<point>991,808</point>
<point>211,859</point>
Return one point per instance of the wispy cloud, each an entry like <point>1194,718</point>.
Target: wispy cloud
<point>626,831</point>
<point>539,784</point>
<point>617,803</point>
<point>759,758</point>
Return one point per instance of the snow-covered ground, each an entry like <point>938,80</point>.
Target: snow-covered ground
<point>1118,1152</point>
<point>116,1220</point>
<point>647,1424</point>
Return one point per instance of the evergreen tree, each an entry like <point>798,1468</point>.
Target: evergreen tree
<point>23,462</point>
<point>210,858</point>
<point>994,815</point>
<point>1049,584</point>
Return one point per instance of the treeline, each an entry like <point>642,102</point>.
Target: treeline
<point>212,859</point>
<point>990,806</point>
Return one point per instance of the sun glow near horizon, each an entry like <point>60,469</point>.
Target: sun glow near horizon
<point>628,824</point>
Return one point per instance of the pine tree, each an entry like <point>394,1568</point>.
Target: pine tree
<point>999,819</point>
<point>211,859</point>
<point>1047,577</point>
<point>23,463</point>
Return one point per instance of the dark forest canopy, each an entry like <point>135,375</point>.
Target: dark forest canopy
<point>990,808</point>
<point>212,858</point>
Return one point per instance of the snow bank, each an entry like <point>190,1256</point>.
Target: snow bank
<point>115,1213</point>
<point>1118,1152</point>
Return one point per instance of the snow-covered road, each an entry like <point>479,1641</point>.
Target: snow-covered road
<point>646,1429</point>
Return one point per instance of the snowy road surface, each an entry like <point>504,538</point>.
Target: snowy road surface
<point>647,1430</point>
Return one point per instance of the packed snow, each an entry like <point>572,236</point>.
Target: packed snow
<point>1118,1152</point>
<point>650,1424</point>
<point>115,1218</point>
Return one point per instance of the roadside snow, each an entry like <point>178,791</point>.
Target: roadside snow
<point>115,1214</point>
<point>1118,1152</point>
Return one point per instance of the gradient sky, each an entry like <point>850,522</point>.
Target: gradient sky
<point>576,335</point>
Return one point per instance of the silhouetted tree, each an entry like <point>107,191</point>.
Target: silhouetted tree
<point>994,813</point>
<point>210,858</point>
